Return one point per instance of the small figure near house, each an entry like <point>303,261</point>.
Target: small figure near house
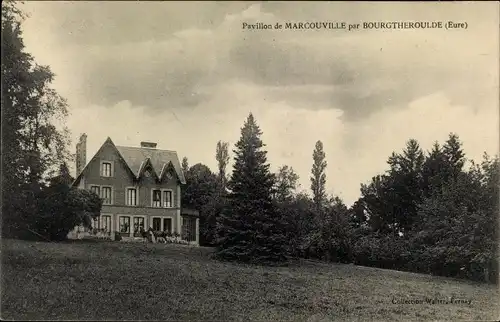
<point>151,235</point>
<point>144,234</point>
<point>160,237</point>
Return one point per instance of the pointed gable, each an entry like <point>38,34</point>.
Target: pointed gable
<point>146,165</point>
<point>106,143</point>
<point>159,160</point>
<point>168,168</point>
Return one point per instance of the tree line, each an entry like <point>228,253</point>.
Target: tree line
<point>427,213</point>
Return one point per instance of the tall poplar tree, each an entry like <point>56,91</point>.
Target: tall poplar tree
<point>318,178</point>
<point>185,165</point>
<point>222,157</point>
<point>250,229</point>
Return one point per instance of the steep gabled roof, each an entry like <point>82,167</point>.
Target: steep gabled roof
<point>136,160</point>
<point>108,141</point>
<point>159,159</point>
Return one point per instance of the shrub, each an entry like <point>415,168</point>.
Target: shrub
<point>380,251</point>
<point>61,208</point>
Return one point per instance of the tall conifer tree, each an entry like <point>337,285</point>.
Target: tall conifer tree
<point>250,229</point>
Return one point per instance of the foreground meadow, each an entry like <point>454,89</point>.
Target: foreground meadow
<point>136,281</point>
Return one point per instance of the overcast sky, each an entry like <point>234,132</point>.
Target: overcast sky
<point>186,75</point>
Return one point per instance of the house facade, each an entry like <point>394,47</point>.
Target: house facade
<point>140,188</point>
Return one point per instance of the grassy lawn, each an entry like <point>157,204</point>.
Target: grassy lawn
<point>125,281</point>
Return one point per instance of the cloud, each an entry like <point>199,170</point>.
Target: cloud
<point>355,151</point>
<point>186,75</point>
<point>161,60</point>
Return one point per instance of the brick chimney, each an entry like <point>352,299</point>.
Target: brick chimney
<point>81,154</point>
<point>151,145</point>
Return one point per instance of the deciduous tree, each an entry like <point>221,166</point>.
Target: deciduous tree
<point>32,145</point>
<point>200,193</point>
<point>286,184</point>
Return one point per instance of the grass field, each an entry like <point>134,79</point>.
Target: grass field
<point>118,281</point>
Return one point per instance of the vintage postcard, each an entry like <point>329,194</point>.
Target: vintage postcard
<point>250,161</point>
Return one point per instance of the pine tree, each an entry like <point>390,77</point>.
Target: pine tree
<point>406,184</point>
<point>318,178</point>
<point>455,156</point>
<point>432,169</point>
<point>442,165</point>
<point>250,229</point>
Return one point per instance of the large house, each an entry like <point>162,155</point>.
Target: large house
<point>140,188</point>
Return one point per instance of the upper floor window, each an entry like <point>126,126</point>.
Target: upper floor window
<point>167,199</point>
<point>104,192</point>
<point>106,169</point>
<point>131,197</point>
<point>96,190</point>
<point>106,195</point>
<point>156,198</point>
<point>162,198</point>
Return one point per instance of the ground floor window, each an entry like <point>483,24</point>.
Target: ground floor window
<point>124,224</point>
<point>156,224</point>
<point>167,224</point>
<point>106,223</point>
<point>162,224</point>
<point>138,226</point>
<point>96,222</point>
<point>189,228</point>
